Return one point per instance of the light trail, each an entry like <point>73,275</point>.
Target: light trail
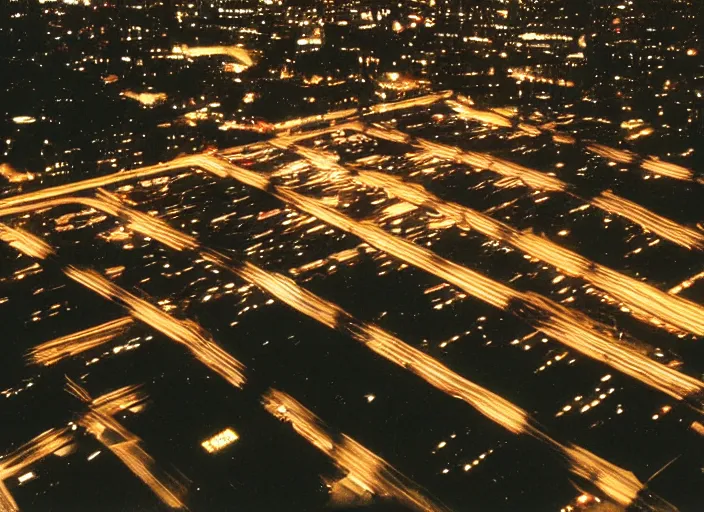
<point>186,333</point>
<point>574,330</point>
<point>681,313</point>
<point>7,205</point>
<point>419,101</point>
<point>25,242</point>
<point>383,343</point>
<point>686,283</point>
<point>55,350</point>
<point>148,99</point>
<point>316,118</point>
<point>650,163</point>
<point>379,108</point>
<point>493,406</point>
<point>621,486</point>
<point>13,176</point>
<point>607,201</point>
<point>525,75</point>
<point>30,453</point>
<point>531,177</point>
<point>662,226</point>
<point>338,257</point>
<point>143,223</point>
<point>99,422</point>
<point>236,52</point>
<point>483,116</point>
<point>366,472</point>
<point>570,327</point>
<point>92,183</point>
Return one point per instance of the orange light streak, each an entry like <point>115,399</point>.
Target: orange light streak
<point>366,471</point>
<point>619,485</point>
<point>686,283</point>
<point>484,401</point>
<point>25,242</point>
<point>99,422</point>
<point>206,51</point>
<point>186,333</point>
<point>678,312</point>
<point>30,453</point>
<point>14,176</point>
<point>420,101</point>
<point>662,226</point>
<point>651,164</point>
<point>55,350</point>
<point>574,330</point>
<point>571,328</point>
<point>483,116</point>
<point>148,99</point>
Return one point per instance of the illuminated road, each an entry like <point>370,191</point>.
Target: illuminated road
<point>607,201</point>
<point>366,473</point>
<point>55,350</point>
<point>189,334</point>
<point>494,407</point>
<point>100,423</point>
<point>650,164</point>
<point>15,463</point>
<point>641,296</point>
<point>236,52</point>
<point>186,333</point>
<point>570,327</point>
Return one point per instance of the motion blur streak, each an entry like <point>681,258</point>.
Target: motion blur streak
<point>14,176</point>
<point>126,446</point>
<point>487,403</point>
<point>7,502</point>
<point>186,333</point>
<point>28,454</point>
<point>494,407</point>
<point>55,350</point>
<point>157,228</point>
<point>483,116</point>
<point>686,283</point>
<point>383,343</point>
<point>33,451</point>
<point>101,181</point>
<point>302,121</point>
<point>205,51</point>
<point>678,312</point>
<point>571,328</point>
<point>110,204</point>
<point>335,115</point>
<point>146,98</point>
<point>618,155</point>
<point>532,178</point>
<point>365,470</point>
<point>666,228</point>
<point>620,485</point>
<point>25,242</point>
<point>419,101</point>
